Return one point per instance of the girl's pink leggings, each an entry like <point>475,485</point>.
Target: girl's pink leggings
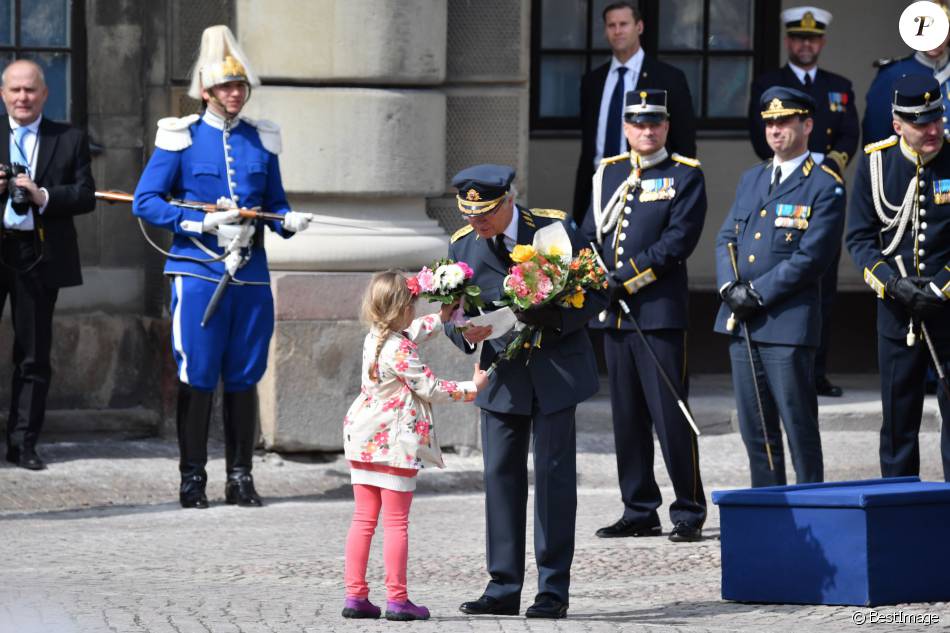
<point>395,506</point>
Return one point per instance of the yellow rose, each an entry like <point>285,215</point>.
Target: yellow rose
<point>554,251</point>
<point>522,253</point>
<point>576,300</point>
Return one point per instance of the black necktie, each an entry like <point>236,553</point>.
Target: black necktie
<point>776,179</point>
<point>498,245</point>
<point>807,80</point>
<point>615,116</point>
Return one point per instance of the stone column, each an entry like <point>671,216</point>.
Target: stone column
<point>355,87</point>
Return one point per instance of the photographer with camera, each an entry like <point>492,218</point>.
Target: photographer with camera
<point>45,179</point>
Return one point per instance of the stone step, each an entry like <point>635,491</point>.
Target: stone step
<point>714,408</point>
<point>65,424</point>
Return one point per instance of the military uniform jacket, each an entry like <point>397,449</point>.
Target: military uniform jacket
<point>836,130</point>
<point>877,124</point>
<point>563,371</point>
<point>658,229</point>
<point>784,242</point>
<point>925,252</point>
<point>198,159</point>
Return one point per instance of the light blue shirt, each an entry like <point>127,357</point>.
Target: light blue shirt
<point>31,147</point>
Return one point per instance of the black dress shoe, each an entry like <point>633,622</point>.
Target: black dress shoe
<point>824,388</point>
<point>193,499</point>
<point>685,533</point>
<point>13,454</point>
<point>624,527</point>
<point>547,606</point>
<point>240,491</point>
<point>486,605</point>
<point>30,460</point>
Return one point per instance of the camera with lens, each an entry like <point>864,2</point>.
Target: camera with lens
<point>19,197</point>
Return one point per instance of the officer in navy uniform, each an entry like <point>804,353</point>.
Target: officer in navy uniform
<point>910,218</point>
<point>524,401</point>
<point>646,217</point>
<point>877,123</point>
<point>833,140</point>
<point>785,225</point>
<point>218,156</point>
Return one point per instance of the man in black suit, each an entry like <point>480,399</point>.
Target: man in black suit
<point>833,140</point>
<point>39,253</point>
<point>602,91</point>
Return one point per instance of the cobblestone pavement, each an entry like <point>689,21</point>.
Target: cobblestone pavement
<point>98,543</point>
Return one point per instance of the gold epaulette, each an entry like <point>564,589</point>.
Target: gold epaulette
<point>609,160</point>
<point>554,214</point>
<point>686,160</point>
<point>879,145</point>
<point>807,167</point>
<point>831,172</point>
<point>462,232</point>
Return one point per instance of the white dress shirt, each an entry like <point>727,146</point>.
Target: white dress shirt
<point>630,79</point>
<point>31,147</point>
<point>787,167</point>
<point>801,72</point>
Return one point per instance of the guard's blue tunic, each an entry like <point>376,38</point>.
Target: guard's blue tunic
<point>876,125</point>
<point>215,160</point>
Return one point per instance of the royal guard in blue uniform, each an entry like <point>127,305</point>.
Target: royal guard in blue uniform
<point>219,157</point>
<point>833,140</point>
<point>784,228</point>
<point>877,123</point>
<point>646,217</point>
<point>901,207</point>
<point>529,398</point>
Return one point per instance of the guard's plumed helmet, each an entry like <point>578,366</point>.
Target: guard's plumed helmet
<point>220,60</point>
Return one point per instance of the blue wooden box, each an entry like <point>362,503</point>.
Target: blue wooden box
<point>873,542</point>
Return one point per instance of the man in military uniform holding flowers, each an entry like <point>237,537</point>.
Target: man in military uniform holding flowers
<point>531,396</point>
<point>646,217</point>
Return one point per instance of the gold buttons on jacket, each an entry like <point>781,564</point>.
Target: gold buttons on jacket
<point>751,259</point>
<point>758,235</point>
<point>762,213</point>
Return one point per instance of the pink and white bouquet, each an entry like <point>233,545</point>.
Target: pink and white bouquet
<point>446,281</point>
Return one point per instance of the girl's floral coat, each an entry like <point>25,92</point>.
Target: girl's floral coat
<point>390,422</point>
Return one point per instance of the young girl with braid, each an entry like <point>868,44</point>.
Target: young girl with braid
<point>388,435</point>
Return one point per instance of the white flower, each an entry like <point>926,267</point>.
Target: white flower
<point>449,277</point>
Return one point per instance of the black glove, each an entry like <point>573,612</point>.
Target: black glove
<point>915,294</point>
<point>615,288</point>
<point>742,299</point>
<point>548,316</point>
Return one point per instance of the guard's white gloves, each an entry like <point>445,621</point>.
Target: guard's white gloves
<point>212,221</point>
<point>232,262</point>
<point>295,221</point>
<point>235,236</point>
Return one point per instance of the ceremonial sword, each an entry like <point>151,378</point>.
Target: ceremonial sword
<point>748,343</point>
<point>649,348</point>
<point>941,375</point>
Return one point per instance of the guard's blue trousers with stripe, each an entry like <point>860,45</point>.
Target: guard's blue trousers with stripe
<point>233,344</point>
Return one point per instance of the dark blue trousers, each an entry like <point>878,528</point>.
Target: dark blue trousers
<point>786,378</point>
<point>829,290</point>
<point>505,442</point>
<point>641,402</point>
<point>902,396</point>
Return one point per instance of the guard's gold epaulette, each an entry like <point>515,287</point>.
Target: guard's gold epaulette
<point>462,232</point>
<point>831,172</point>
<point>610,160</point>
<point>554,214</point>
<point>808,166</point>
<point>879,145</point>
<point>686,160</point>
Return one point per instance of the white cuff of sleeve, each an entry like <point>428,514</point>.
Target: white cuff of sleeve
<point>46,203</point>
<point>191,226</point>
<point>937,291</point>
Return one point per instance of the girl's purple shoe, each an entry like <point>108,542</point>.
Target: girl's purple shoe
<point>405,611</point>
<point>360,608</point>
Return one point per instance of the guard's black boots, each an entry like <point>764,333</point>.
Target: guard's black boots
<point>194,415</point>
<point>240,436</point>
